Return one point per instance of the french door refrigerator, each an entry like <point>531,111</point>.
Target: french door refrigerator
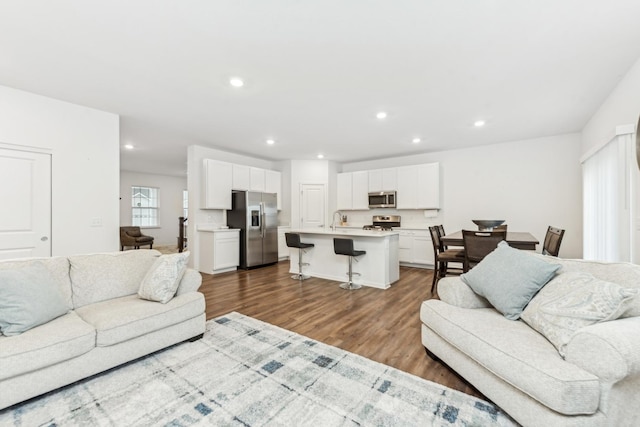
<point>256,215</point>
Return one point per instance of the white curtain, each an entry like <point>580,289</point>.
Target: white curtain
<point>608,179</point>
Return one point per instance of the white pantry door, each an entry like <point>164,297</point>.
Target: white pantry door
<point>312,205</point>
<point>25,197</point>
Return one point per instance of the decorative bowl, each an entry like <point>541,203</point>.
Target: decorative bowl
<point>487,224</point>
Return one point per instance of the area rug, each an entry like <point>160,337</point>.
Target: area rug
<point>245,372</point>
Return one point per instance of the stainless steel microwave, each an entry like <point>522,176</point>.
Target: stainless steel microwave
<point>382,199</point>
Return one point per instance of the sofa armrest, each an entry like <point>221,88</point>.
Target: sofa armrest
<point>609,350</point>
<point>191,281</point>
<point>454,291</point>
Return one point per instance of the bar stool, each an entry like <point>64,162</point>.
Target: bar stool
<point>345,247</point>
<point>293,241</point>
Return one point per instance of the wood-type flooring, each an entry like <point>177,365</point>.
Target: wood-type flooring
<point>382,325</point>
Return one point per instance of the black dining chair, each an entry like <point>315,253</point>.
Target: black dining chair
<point>552,241</point>
<point>479,244</point>
<point>442,257</point>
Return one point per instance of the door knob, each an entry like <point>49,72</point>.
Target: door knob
<point>44,238</point>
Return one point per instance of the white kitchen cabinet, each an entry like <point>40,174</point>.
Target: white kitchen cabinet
<point>383,179</point>
<point>219,250</point>
<point>419,186</point>
<point>283,249</point>
<point>273,184</point>
<point>353,191</point>
<point>241,177</point>
<point>415,247</point>
<point>217,181</point>
<point>257,179</point>
<point>429,186</point>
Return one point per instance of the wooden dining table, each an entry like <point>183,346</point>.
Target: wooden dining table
<point>515,239</point>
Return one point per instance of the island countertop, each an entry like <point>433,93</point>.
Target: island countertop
<point>346,232</point>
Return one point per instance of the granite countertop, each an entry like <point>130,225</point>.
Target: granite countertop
<point>343,231</point>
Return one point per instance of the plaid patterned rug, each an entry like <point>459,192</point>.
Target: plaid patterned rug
<point>245,372</point>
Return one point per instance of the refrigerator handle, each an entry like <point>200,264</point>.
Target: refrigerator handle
<point>262,219</point>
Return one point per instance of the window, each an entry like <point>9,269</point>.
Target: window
<point>144,206</point>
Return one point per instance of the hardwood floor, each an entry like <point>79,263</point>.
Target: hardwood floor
<point>382,325</point>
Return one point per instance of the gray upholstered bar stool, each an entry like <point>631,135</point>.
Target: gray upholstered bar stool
<point>293,241</point>
<point>345,247</point>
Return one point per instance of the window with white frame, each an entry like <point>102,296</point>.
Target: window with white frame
<point>144,206</point>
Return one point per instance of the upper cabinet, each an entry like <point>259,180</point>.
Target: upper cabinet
<point>353,189</point>
<point>217,181</point>
<point>219,178</point>
<point>241,177</point>
<point>257,179</point>
<point>419,186</point>
<point>383,179</point>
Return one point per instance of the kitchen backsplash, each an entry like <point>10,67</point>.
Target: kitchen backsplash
<point>409,218</point>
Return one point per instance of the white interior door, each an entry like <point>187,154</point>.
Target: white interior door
<point>25,192</point>
<point>312,210</point>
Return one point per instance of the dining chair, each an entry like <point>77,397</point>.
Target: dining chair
<point>478,244</point>
<point>442,257</point>
<point>552,241</point>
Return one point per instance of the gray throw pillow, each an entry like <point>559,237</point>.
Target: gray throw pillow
<point>163,278</point>
<point>508,278</point>
<point>29,297</point>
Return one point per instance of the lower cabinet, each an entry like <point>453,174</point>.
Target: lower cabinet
<point>415,247</point>
<point>219,251</point>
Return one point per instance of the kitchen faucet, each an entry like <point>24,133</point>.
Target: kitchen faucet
<point>333,220</point>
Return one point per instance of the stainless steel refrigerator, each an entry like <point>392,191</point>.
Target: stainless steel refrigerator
<point>256,215</point>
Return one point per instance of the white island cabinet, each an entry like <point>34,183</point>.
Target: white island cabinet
<point>378,268</point>
<point>219,249</point>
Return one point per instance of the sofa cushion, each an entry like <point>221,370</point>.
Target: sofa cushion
<point>58,267</point>
<point>623,273</point>
<point>517,354</point>
<point>572,301</point>
<point>509,278</point>
<point>29,297</point>
<point>61,339</point>
<point>100,277</point>
<point>128,317</point>
<point>161,281</point>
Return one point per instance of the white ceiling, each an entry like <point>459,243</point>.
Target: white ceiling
<point>316,72</point>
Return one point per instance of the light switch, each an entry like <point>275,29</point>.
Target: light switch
<point>96,222</point>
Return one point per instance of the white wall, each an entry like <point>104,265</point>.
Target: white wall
<point>622,107</point>
<point>85,155</point>
<point>170,205</point>
<point>530,184</point>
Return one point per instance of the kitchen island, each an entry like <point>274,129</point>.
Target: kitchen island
<point>378,268</point>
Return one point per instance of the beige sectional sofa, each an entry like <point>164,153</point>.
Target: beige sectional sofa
<point>106,325</point>
<point>597,383</point>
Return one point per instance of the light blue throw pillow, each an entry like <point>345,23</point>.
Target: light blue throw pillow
<point>508,278</point>
<point>29,297</point>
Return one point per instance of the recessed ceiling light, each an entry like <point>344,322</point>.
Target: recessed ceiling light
<point>479,123</point>
<point>415,140</point>
<point>321,156</point>
<point>236,82</point>
<point>381,115</point>
<point>271,141</point>
<point>128,146</point>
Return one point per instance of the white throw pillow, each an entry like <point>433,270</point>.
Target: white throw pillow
<point>572,301</point>
<point>29,297</point>
<point>162,280</point>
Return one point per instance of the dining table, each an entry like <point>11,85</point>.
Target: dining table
<point>515,239</point>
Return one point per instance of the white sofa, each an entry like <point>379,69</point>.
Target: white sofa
<point>107,323</point>
<point>596,384</point>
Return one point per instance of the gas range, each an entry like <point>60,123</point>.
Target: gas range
<point>383,223</point>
